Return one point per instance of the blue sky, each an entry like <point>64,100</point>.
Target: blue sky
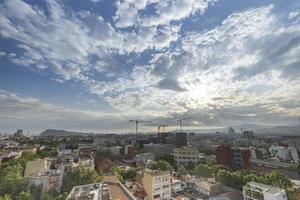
<point>92,65</point>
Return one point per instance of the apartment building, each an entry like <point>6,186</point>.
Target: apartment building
<point>259,191</point>
<point>286,154</point>
<point>186,155</point>
<point>237,158</point>
<point>157,184</point>
<point>159,150</point>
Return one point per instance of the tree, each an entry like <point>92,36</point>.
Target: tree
<point>79,176</point>
<point>181,170</point>
<point>165,166</point>
<point>11,180</point>
<point>25,195</point>
<point>203,170</point>
<point>5,197</point>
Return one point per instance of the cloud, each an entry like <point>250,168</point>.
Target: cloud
<point>132,13</point>
<point>170,84</point>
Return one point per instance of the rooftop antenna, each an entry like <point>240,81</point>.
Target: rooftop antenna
<point>180,122</point>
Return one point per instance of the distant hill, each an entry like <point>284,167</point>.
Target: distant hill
<point>54,132</point>
<point>283,130</point>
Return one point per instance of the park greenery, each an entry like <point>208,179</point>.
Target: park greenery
<point>79,176</point>
<point>12,182</point>
<point>125,174</point>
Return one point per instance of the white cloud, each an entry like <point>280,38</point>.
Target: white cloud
<point>131,13</point>
<point>294,14</point>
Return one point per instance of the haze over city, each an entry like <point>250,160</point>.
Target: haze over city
<point>94,65</point>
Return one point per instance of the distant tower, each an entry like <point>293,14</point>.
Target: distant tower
<point>231,131</point>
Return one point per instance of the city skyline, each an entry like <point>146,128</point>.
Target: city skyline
<point>94,65</point>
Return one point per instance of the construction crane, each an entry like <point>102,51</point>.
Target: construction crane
<point>137,127</point>
<point>180,122</point>
<point>163,126</point>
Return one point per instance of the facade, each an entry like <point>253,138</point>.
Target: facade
<point>240,158</point>
<point>181,139</point>
<point>237,158</point>
<point>186,155</point>
<point>159,150</point>
<point>287,154</point>
<point>157,184</point>
<point>259,191</point>
<point>207,187</point>
<point>223,155</point>
<point>37,166</point>
<point>176,185</point>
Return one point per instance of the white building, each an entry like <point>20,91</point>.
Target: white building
<point>91,191</point>
<point>186,155</point>
<point>176,185</point>
<point>157,184</point>
<point>286,154</point>
<point>259,191</point>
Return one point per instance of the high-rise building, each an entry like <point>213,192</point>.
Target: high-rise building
<point>237,158</point>
<point>180,139</point>
<point>223,155</point>
<point>259,191</point>
<point>231,130</point>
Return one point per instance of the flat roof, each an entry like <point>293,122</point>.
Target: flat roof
<point>264,187</point>
<point>86,192</point>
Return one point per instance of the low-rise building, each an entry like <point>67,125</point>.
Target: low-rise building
<point>176,185</point>
<point>259,191</point>
<point>157,184</point>
<point>159,150</point>
<point>186,155</point>
<point>96,191</point>
<point>207,187</point>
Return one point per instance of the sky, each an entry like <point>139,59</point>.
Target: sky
<point>92,65</point>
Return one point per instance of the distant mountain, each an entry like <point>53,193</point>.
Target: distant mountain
<point>53,132</point>
<point>282,130</point>
<point>257,128</point>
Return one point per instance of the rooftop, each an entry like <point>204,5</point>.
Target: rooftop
<point>86,192</point>
<point>263,187</point>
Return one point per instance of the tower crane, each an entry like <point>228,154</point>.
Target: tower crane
<point>137,127</point>
<point>180,122</point>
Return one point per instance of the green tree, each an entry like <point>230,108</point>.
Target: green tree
<point>165,166</point>
<point>79,176</point>
<point>11,180</point>
<point>181,170</point>
<point>25,195</point>
<point>5,197</point>
<point>203,170</point>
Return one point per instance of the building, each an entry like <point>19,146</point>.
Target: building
<point>240,158</point>
<point>259,153</point>
<point>237,158</point>
<point>159,150</point>
<point>37,166</point>
<point>223,155</point>
<point>96,191</point>
<point>39,174</point>
<point>19,133</point>
<point>286,154</point>
<point>181,139</point>
<point>186,155</point>
<point>248,134</point>
<point>259,191</point>
<point>143,158</point>
<point>231,131</point>
<point>207,187</point>
<point>176,185</point>
<point>163,136</point>
<point>157,184</point>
